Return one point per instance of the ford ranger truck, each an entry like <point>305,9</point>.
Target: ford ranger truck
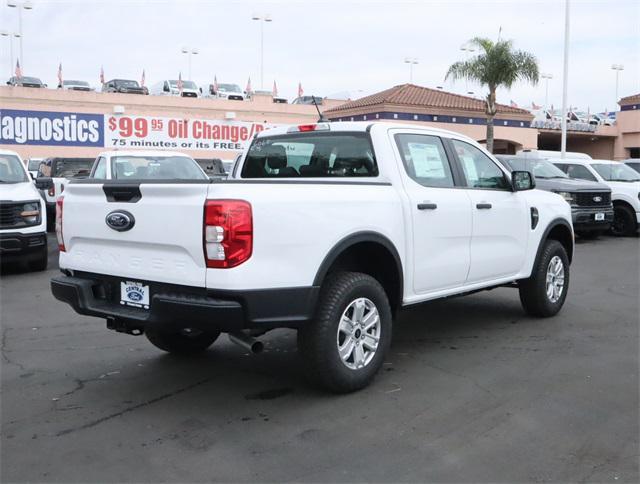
<point>330,229</point>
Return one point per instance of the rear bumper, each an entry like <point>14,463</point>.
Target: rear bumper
<point>584,218</point>
<point>186,307</point>
<point>16,246</point>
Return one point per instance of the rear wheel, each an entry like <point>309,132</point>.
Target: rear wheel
<point>543,293</point>
<point>183,342</point>
<point>344,347</point>
<point>624,221</point>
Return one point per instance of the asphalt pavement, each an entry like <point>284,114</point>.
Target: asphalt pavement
<point>473,391</point>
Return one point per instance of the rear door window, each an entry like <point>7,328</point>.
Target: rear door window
<point>311,155</point>
<point>425,159</point>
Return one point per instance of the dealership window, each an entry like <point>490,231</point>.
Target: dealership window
<point>425,160</point>
<point>479,170</point>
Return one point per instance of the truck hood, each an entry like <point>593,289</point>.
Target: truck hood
<point>16,192</point>
<point>628,188</point>
<point>569,185</point>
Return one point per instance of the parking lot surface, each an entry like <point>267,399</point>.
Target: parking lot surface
<point>472,391</point>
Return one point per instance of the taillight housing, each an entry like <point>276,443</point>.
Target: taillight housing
<point>227,233</point>
<point>61,246</point>
<point>52,191</point>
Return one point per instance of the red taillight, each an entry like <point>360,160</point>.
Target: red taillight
<point>227,233</point>
<point>52,191</point>
<point>59,224</point>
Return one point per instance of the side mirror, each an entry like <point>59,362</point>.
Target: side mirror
<point>522,180</point>
<point>31,175</point>
<point>43,182</point>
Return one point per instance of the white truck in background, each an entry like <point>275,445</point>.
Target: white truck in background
<point>329,228</point>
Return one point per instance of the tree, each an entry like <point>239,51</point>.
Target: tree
<point>497,65</point>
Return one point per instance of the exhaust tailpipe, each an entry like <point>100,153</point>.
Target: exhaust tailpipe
<point>247,342</point>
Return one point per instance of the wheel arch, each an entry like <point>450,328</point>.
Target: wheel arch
<point>356,252</point>
<point>560,230</point>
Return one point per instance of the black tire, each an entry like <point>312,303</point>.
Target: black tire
<point>318,340</point>
<point>624,221</point>
<point>181,342</point>
<point>40,261</point>
<point>533,291</point>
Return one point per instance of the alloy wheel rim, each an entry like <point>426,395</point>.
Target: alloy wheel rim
<point>358,333</point>
<point>555,279</point>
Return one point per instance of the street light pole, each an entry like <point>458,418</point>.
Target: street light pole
<point>565,81</point>
<point>468,50</point>
<point>617,68</point>
<point>189,52</point>
<point>10,36</point>
<point>262,19</point>
<point>26,5</point>
<point>411,61</point>
<point>546,78</point>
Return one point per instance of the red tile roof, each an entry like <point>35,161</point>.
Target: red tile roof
<point>635,98</point>
<point>418,96</point>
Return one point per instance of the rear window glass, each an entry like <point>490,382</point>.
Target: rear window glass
<point>72,167</point>
<point>155,168</point>
<point>311,155</point>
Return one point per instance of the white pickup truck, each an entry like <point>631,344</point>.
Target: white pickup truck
<point>330,229</point>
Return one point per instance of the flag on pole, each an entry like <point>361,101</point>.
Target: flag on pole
<point>535,106</point>
<point>143,78</point>
<point>300,90</point>
<point>274,91</point>
<point>60,74</point>
<point>513,104</point>
<point>180,86</point>
<point>215,84</point>
<point>101,75</point>
<point>18,69</point>
<point>248,88</point>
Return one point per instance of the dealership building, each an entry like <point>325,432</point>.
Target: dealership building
<point>47,122</point>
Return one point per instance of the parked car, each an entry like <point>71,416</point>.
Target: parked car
<point>124,86</point>
<point>276,99</point>
<point>70,85</point>
<point>60,171</point>
<point>145,165</point>
<point>591,207</point>
<point>232,92</point>
<point>633,163</point>
<point>625,188</point>
<point>213,167</point>
<point>23,219</point>
<point>307,100</point>
<point>330,229</point>
<point>26,82</point>
<point>169,87</point>
<point>32,166</point>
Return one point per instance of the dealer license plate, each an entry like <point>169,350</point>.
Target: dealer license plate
<point>134,294</point>
<point>599,217</point>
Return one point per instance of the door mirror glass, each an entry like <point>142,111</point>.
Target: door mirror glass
<point>522,180</point>
<point>43,183</point>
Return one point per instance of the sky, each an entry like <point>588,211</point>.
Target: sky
<point>330,46</point>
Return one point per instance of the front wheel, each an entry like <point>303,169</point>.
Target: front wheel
<point>624,221</point>
<point>344,347</point>
<point>544,293</point>
<point>183,342</point>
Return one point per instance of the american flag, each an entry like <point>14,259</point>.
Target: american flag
<point>143,78</point>
<point>535,106</point>
<point>60,74</point>
<point>18,69</point>
<point>215,84</point>
<point>274,91</point>
<point>248,88</point>
<point>101,75</point>
<point>180,83</point>
<point>300,90</point>
<point>513,104</point>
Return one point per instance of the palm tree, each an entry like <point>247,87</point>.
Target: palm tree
<point>497,65</point>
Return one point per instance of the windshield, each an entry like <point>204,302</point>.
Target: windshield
<point>155,168</point>
<point>72,167</point>
<point>30,80</point>
<point>11,170</point>
<point>75,83</point>
<point>617,172</point>
<point>229,88</point>
<point>185,85</point>
<point>539,168</point>
<point>126,83</point>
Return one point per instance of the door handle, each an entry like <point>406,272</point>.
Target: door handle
<point>427,206</point>
<point>483,206</point>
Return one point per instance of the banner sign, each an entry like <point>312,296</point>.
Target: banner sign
<point>51,128</point>
<point>571,125</point>
<point>178,134</point>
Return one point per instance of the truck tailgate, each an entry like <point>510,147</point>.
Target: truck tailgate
<point>164,244</point>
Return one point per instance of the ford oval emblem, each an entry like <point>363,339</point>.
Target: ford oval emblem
<point>597,199</point>
<point>120,220</point>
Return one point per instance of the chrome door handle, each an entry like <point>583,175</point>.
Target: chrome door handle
<point>483,206</point>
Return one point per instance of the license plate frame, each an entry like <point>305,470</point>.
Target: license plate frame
<point>135,294</point>
<point>598,217</point>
